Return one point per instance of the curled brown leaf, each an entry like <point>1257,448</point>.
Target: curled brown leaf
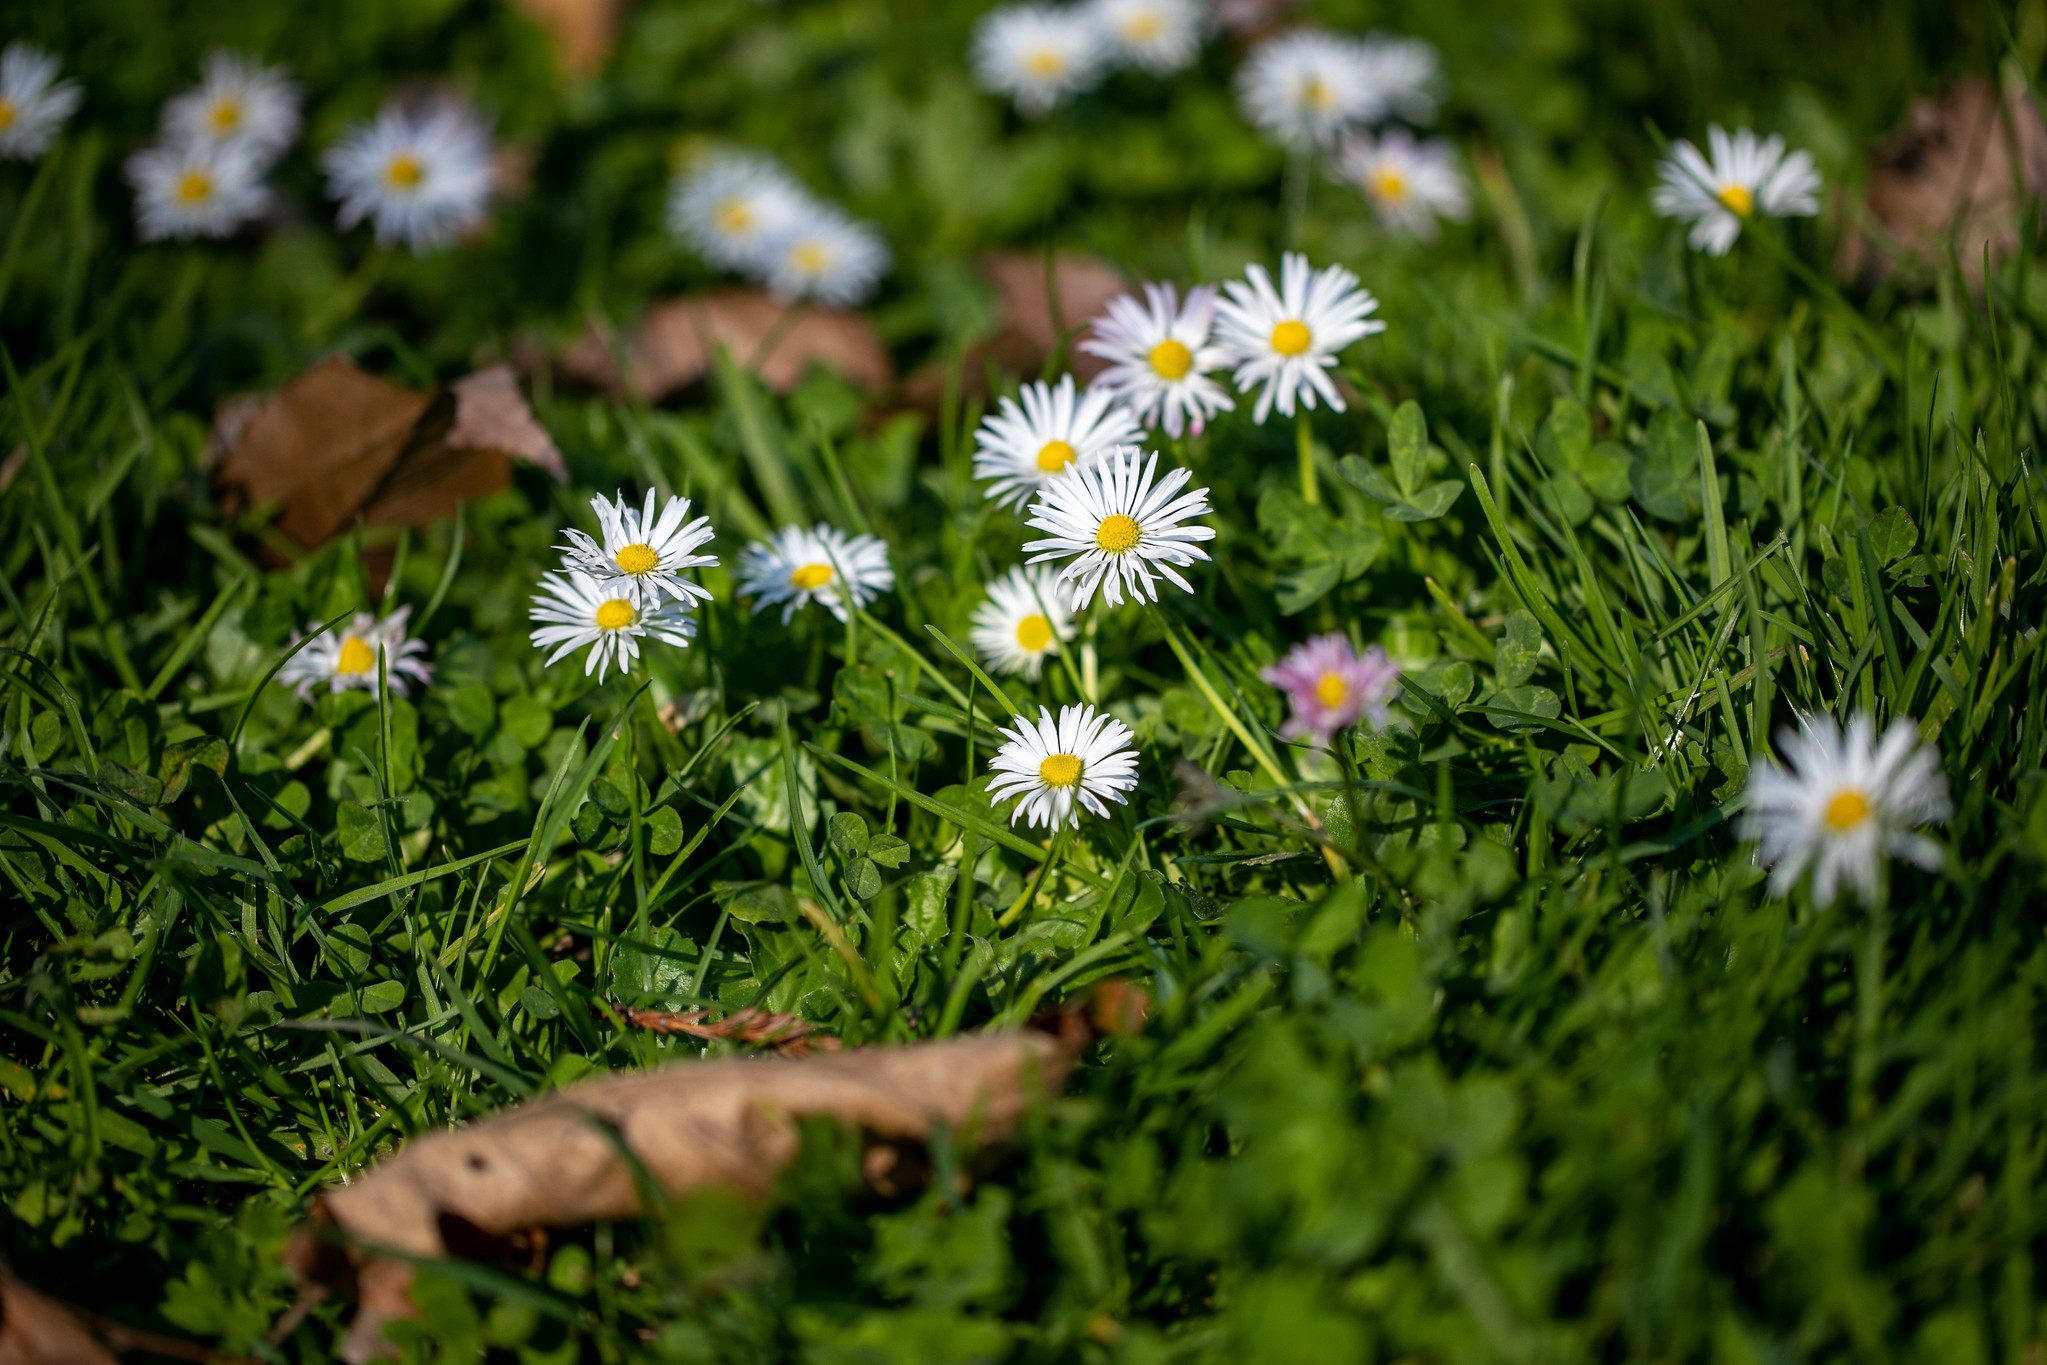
<point>676,339</point>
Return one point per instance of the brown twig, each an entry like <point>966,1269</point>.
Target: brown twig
<point>785,1033</point>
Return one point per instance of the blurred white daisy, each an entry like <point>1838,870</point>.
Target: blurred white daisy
<point>827,255</point>
<point>1745,176</point>
<point>1023,622</point>
<point>1118,526</point>
<point>1162,356</point>
<point>1045,431</point>
<point>734,207</point>
<point>194,190</point>
<point>1159,36</point>
<point>1843,802</point>
<point>1287,339</point>
<point>1403,78</point>
<point>1038,55</point>
<point>572,610</point>
<point>1305,86</point>
<point>1084,758</point>
<point>641,553</point>
<point>33,102</point>
<point>422,175</point>
<point>1409,184</point>
<point>345,658</point>
<point>797,566</point>
<point>237,103</point>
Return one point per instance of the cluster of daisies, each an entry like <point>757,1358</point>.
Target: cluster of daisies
<point>1041,55</point>
<point>744,212</point>
<point>204,174</point>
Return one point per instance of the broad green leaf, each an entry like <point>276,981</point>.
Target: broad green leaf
<point>664,831</point>
<point>863,878</point>
<point>1428,503</point>
<point>1892,535</point>
<point>1526,699</point>
<point>848,834</point>
<point>471,708</point>
<point>1407,446</point>
<point>1518,650</point>
<point>381,997</point>
<point>888,850</point>
<point>754,902</point>
<point>1368,480</point>
<point>1604,472</point>
<point>658,967</point>
<point>1564,439</point>
<point>527,719</point>
<point>1665,476</point>
<point>348,949</point>
<point>1304,587</point>
<point>361,833</point>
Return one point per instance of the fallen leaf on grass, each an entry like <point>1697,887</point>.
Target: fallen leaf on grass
<point>1026,333</point>
<point>788,1034</point>
<point>582,31</point>
<point>674,342</point>
<point>37,1330</point>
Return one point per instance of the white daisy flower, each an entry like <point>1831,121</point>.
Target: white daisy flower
<point>1159,36</point>
<point>572,609</point>
<point>1118,526</point>
<point>1746,175</point>
<point>422,175</point>
<point>1084,758</point>
<point>1039,55</point>
<point>797,566</point>
<point>1046,430</point>
<point>1403,78</point>
<point>1287,339</point>
<point>1409,184</point>
<point>644,554</point>
<point>33,102</point>
<point>826,255</point>
<point>240,104</point>
<point>1843,803</point>
<point>347,658</point>
<point>734,207</point>
<point>1023,622</point>
<point>1162,356</point>
<point>194,190</point>
<point>1305,86</point>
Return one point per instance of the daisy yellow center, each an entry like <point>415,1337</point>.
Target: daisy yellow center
<point>636,559</point>
<point>403,171</point>
<point>1315,93</point>
<point>194,187</point>
<point>1034,632</point>
<point>1389,184</point>
<point>1054,456</point>
<point>1142,27</point>
<point>812,576</point>
<point>6,115</point>
<point>1291,337</point>
<point>1170,360</point>
<point>809,258</point>
<point>1738,198</point>
<point>734,215</point>
<point>616,614</point>
<point>226,115</point>
<point>1117,533</point>
<point>1060,770</point>
<point>1848,809</point>
<point>1044,63</point>
<point>1331,691</point>
<point>355,657</point>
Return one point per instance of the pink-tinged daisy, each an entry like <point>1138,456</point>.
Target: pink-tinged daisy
<point>1408,183</point>
<point>345,658</point>
<point>1331,687</point>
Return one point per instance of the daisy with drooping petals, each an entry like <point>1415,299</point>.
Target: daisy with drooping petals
<point>1162,357</point>
<point>1023,622</point>
<point>1843,802</point>
<point>1305,86</point>
<point>240,104</point>
<point>33,102</point>
<point>1331,686</point>
<point>1403,78</point>
<point>194,190</point>
<point>797,566</point>
<point>734,207</point>
<point>347,658</point>
<point>1084,758</point>
<point>1745,176</point>
<point>643,554</point>
<point>1118,526</point>
<point>1043,433</point>
<point>827,255</point>
<point>1409,184</point>
<point>572,610</point>
<point>1038,55</point>
<point>1287,339</point>
<point>1159,36</point>
<point>421,175</point>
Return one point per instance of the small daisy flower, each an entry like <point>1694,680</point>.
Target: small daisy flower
<point>347,658</point>
<point>827,255</point>
<point>734,207</point>
<point>1409,184</point>
<point>1045,431</point>
<point>421,175</point>
<point>194,190</point>
<point>644,554</point>
<point>1162,357</point>
<point>1842,803</point>
<point>1117,526</point>
<point>1330,687</point>
<point>1304,86</point>
<point>1084,758</point>
<point>1159,36</point>
<point>1745,176</point>
<point>1023,622</point>
<point>1403,78</point>
<point>240,104</point>
<point>33,102</point>
<point>572,609</point>
<point>1038,55</point>
<point>1287,339</point>
<point>797,566</point>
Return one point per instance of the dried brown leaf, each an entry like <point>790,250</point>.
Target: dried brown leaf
<point>491,414</point>
<point>583,32</point>
<point>672,346</point>
<point>788,1034</point>
<point>37,1330</point>
<point>1025,334</point>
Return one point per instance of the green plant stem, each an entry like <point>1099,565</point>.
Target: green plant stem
<point>1304,446</point>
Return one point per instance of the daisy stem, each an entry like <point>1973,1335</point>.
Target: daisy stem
<point>1304,443</point>
<point>1299,160</point>
<point>1090,679</point>
<point>1036,882</point>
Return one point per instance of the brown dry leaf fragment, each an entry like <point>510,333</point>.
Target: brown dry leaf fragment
<point>583,31</point>
<point>1025,334</point>
<point>37,1330</point>
<point>491,414</point>
<point>788,1034</point>
<point>673,344</point>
